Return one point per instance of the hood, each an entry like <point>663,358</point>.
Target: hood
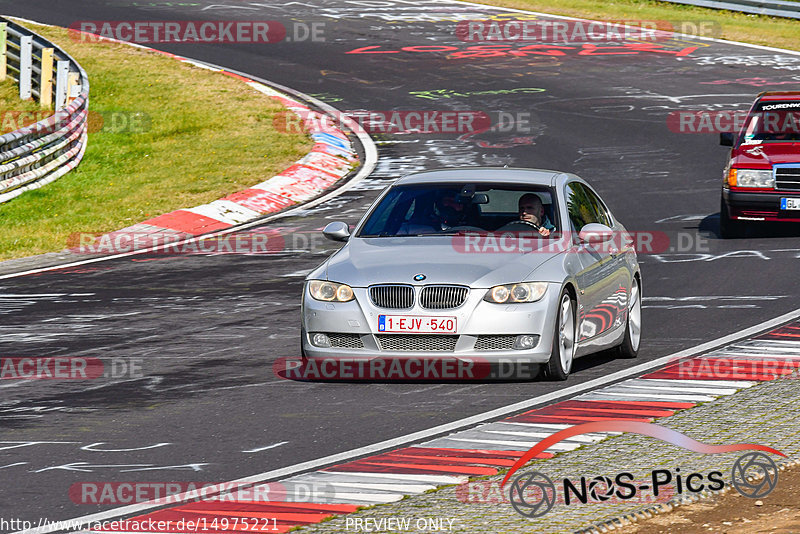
<point>442,259</point>
<point>765,155</point>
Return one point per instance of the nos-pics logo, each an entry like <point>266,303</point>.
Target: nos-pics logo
<point>533,494</point>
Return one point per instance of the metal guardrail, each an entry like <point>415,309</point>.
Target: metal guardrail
<point>772,8</point>
<point>40,153</point>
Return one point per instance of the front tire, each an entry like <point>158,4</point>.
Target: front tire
<point>633,328</point>
<point>729,228</point>
<point>562,352</point>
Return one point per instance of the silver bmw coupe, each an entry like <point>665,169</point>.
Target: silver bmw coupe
<point>503,264</point>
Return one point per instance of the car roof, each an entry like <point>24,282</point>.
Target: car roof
<point>482,175</point>
<point>770,96</point>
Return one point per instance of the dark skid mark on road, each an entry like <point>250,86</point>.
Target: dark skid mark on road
<point>208,328</point>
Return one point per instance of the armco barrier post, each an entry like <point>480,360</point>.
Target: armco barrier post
<point>62,73</point>
<point>25,67</point>
<point>73,87</point>
<point>46,80</point>
<point>3,50</point>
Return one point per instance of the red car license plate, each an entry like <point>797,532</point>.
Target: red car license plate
<point>417,324</point>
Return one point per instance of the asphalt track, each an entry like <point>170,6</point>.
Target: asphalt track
<point>206,329</point>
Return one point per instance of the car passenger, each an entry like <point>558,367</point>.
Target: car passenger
<point>440,215</point>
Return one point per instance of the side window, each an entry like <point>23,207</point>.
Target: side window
<point>601,213</point>
<point>580,206</point>
<point>585,207</point>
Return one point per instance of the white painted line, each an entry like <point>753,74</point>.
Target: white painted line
<point>319,477</point>
<point>560,446</point>
<point>268,447</point>
<point>768,342</point>
<point>713,383</point>
<point>391,488</point>
<point>355,498</point>
<point>743,359</point>
<point>12,465</point>
<point>579,439</point>
<point>456,446</point>
<point>269,91</point>
<point>554,426</point>
<point>43,295</point>
<point>773,345</point>
<point>433,479</point>
<point>654,397</point>
<point>766,349</point>
<point>632,388</point>
<point>742,354</point>
<point>233,211</point>
<point>535,425</point>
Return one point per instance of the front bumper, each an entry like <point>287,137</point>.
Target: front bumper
<point>484,330</point>
<point>759,205</point>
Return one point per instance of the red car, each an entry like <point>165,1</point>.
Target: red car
<point>762,178</point>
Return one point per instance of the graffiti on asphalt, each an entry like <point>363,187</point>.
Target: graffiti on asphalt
<point>693,257</point>
<point>426,154</point>
<point>92,447</point>
<point>755,82</point>
<point>385,11</point>
<point>438,94</point>
<point>638,104</point>
<point>776,61</point>
<point>611,162</point>
<point>504,50</point>
<point>51,447</point>
<point>704,302</point>
<point>86,467</point>
<point>326,97</point>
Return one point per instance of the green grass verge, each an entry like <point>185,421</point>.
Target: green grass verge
<point>755,29</point>
<point>9,95</point>
<point>199,136</point>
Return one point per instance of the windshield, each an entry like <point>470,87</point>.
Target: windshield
<point>773,122</point>
<point>446,209</point>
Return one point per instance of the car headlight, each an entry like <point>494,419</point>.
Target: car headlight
<point>513,293</point>
<point>330,291</point>
<point>751,178</point>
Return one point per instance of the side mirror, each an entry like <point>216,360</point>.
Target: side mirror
<point>337,231</point>
<point>594,233</point>
<point>726,139</point>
